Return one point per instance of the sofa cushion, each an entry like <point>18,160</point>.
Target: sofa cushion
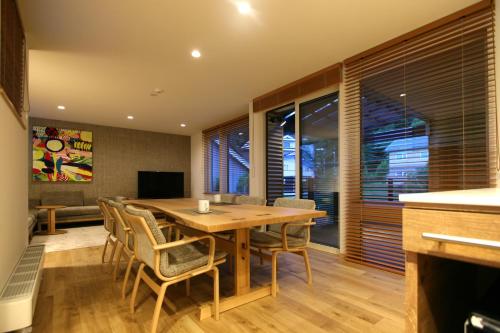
<point>32,203</point>
<point>65,198</point>
<point>83,211</point>
<point>90,201</point>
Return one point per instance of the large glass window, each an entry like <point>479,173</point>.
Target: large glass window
<point>319,164</point>
<point>227,158</point>
<point>280,151</point>
<point>238,158</point>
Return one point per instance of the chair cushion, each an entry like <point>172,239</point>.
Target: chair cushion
<point>271,239</point>
<point>295,231</point>
<point>65,198</point>
<point>83,211</point>
<point>185,258</point>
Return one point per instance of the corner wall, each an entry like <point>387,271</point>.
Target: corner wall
<point>118,154</point>
<point>14,191</point>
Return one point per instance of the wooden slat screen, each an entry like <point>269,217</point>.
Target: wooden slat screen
<point>420,116</point>
<point>321,79</point>
<point>277,184</point>
<point>12,55</point>
<point>226,157</point>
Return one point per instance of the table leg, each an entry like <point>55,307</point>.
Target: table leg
<point>51,221</point>
<point>243,294</point>
<point>242,262</point>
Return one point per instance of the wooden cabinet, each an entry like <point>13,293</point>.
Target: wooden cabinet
<point>452,264</point>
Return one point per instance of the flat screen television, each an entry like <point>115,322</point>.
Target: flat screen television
<point>160,185</point>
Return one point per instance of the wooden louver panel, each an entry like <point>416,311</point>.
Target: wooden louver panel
<point>226,157</point>
<point>420,116</point>
<point>316,81</point>
<point>12,55</point>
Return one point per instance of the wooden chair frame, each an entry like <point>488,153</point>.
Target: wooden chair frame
<point>111,237</point>
<point>301,250</point>
<point>160,289</point>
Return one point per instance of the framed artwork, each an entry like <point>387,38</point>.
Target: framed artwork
<point>61,155</point>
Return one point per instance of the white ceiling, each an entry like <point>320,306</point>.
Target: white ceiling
<point>102,58</point>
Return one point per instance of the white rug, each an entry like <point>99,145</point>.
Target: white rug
<point>75,238</point>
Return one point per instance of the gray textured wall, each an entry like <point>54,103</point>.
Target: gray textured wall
<point>118,154</point>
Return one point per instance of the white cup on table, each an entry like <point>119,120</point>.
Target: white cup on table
<point>203,206</point>
<point>217,198</point>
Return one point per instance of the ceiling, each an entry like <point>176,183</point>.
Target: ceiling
<point>102,58</point>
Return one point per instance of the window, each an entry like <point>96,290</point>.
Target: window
<point>319,165</point>
<point>280,151</point>
<point>12,55</point>
<point>227,159</point>
<point>419,118</point>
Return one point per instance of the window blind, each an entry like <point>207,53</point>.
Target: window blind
<point>280,153</point>
<point>12,55</point>
<point>420,116</point>
<point>226,157</point>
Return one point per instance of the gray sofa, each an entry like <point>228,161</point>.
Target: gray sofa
<point>78,208</point>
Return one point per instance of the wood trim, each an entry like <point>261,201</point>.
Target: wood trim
<point>321,79</point>
<point>16,114</point>
<point>419,31</point>
<point>213,128</point>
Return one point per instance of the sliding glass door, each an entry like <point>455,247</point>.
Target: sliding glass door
<point>319,164</point>
<point>280,151</point>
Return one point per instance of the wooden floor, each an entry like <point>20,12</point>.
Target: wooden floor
<point>78,295</point>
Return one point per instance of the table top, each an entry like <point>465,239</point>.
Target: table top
<point>49,206</point>
<point>226,217</point>
<point>476,197</point>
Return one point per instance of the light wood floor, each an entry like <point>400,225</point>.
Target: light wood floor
<point>78,295</point>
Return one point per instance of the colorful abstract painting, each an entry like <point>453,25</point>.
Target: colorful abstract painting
<point>61,155</point>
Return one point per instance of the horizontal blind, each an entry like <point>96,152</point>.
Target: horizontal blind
<point>226,157</point>
<point>12,55</point>
<point>420,116</point>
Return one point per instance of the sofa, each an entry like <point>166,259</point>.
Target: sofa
<point>78,208</point>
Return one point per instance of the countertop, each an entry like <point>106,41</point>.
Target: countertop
<point>477,197</point>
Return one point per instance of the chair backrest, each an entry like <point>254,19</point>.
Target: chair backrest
<point>108,219</point>
<point>294,231</point>
<point>227,198</point>
<point>248,200</point>
<point>120,224</point>
<point>146,234</point>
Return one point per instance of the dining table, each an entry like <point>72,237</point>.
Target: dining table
<point>229,217</point>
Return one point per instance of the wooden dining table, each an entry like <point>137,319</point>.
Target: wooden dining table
<point>237,218</point>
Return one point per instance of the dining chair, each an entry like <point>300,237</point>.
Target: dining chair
<point>109,226</point>
<point>290,237</point>
<point>227,198</point>
<point>125,238</point>
<point>171,262</point>
<point>250,200</point>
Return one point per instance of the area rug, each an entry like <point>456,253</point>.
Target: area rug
<point>75,238</point>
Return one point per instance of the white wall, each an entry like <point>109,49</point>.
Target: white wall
<point>13,191</point>
<point>197,166</point>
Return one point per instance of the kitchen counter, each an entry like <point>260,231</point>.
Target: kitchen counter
<point>476,197</point>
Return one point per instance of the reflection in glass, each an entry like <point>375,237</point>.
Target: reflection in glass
<point>319,164</point>
<point>280,150</point>
<point>238,158</point>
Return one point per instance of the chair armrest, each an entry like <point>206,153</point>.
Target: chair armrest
<point>284,229</point>
<point>188,240</point>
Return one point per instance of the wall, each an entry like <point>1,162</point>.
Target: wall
<point>197,166</point>
<point>13,193</point>
<point>118,154</point>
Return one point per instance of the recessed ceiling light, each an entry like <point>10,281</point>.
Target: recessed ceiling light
<point>402,95</point>
<point>130,117</point>
<point>240,133</point>
<point>183,125</point>
<point>244,8</point>
<point>61,107</point>
<point>196,53</point>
